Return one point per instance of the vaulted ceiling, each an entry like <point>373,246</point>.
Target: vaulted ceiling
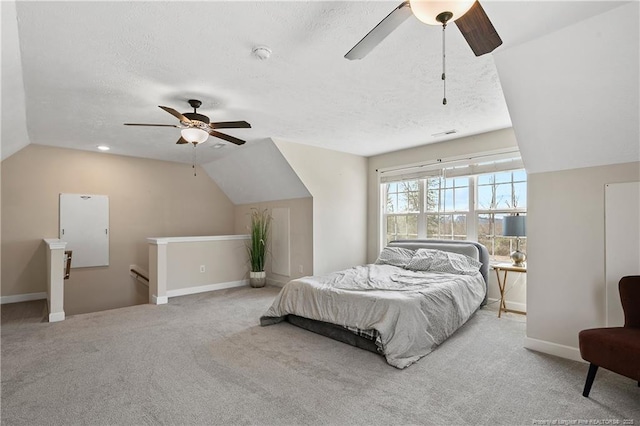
<point>74,72</point>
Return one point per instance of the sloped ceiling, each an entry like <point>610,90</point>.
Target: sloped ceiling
<point>256,174</point>
<point>14,121</point>
<point>574,94</point>
<point>89,67</point>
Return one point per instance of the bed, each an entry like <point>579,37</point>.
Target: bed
<point>416,294</point>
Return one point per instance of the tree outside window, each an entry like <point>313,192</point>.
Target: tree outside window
<point>402,210</point>
<point>447,207</point>
<point>499,195</point>
<point>457,208</point>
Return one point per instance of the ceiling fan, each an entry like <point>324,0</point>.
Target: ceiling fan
<point>469,16</point>
<point>196,128</point>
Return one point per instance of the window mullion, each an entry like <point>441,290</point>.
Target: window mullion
<point>422,222</point>
<point>472,217</point>
<point>384,193</point>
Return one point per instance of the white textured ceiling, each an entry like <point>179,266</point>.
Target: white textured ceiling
<point>89,67</point>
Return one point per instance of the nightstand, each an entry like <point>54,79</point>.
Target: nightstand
<point>502,283</point>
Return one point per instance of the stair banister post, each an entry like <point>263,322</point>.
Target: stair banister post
<point>55,278</point>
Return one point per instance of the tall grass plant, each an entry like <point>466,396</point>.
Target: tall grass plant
<point>257,248</point>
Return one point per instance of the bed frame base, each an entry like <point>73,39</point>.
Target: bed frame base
<point>334,331</point>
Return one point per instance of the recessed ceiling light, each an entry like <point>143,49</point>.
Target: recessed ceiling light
<point>261,52</point>
<point>218,146</point>
<point>103,148</point>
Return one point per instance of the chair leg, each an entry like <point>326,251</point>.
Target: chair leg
<point>593,369</point>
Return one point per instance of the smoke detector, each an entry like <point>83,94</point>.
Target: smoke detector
<point>261,52</point>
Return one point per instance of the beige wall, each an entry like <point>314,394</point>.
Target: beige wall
<point>338,184</point>
<point>1,205</point>
<point>147,198</point>
<point>224,261</point>
<point>301,235</point>
<point>566,249</point>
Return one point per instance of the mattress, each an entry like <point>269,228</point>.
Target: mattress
<point>411,311</point>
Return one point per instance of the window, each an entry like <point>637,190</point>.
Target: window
<point>499,195</point>
<point>447,203</point>
<point>461,202</point>
<point>402,209</point>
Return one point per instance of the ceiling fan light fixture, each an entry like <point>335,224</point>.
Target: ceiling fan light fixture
<point>196,128</point>
<point>194,135</point>
<point>428,10</point>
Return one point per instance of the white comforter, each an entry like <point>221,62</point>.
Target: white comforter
<point>412,311</point>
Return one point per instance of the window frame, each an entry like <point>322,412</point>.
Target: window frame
<point>482,164</point>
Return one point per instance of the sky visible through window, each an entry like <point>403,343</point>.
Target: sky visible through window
<point>465,207</point>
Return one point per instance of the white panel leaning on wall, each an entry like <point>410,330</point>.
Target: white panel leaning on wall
<point>622,245</point>
<point>280,242</point>
<point>84,225</point>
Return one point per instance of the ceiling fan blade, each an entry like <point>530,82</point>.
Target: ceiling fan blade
<point>380,31</point>
<point>175,114</point>
<point>156,125</point>
<point>226,137</point>
<point>478,30</point>
<point>230,125</point>
<point>182,140</point>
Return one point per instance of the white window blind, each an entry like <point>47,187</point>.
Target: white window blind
<point>409,175</point>
<point>482,168</point>
<point>469,166</point>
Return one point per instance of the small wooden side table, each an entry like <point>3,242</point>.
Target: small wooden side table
<point>502,284</point>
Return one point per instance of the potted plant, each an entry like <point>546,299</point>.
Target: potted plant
<point>257,248</point>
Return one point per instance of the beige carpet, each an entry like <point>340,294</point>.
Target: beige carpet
<point>203,359</point>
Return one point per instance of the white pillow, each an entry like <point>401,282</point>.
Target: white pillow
<point>454,263</point>
<point>421,260</point>
<point>395,256</point>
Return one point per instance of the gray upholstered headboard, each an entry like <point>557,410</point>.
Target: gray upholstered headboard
<point>470,248</point>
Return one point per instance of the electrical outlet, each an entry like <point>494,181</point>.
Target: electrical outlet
<point>202,268</point>
<point>300,269</point>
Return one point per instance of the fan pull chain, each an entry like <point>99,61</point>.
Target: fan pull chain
<point>195,157</point>
<point>444,56</point>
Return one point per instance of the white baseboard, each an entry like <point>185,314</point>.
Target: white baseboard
<point>162,300</point>
<point>56,316</point>
<point>562,351</point>
<point>522,307</point>
<point>27,297</point>
<point>205,288</point>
